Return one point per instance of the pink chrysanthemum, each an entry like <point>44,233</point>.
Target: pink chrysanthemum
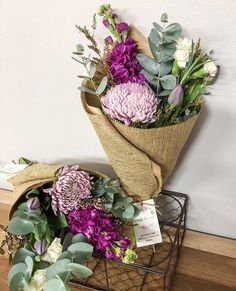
<point>130,102</point>
<point>72,186</point>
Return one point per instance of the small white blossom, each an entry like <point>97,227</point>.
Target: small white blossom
<point>53,251</point>
<point>37,282</point>
<point>183,49</point>
<point>210,68</point>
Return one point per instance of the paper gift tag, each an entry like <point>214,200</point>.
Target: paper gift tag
<point>146,225</point>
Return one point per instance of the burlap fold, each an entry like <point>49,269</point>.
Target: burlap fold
<point>142,158</point>
<point>35,176</point>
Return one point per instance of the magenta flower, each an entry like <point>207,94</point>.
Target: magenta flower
<point>122,26</point>
<point>72,186</point>
<point>98,227</point>
<point>105,22</point>
<point>130,103</point>
<point>109,40</point>
<point>123,63</point>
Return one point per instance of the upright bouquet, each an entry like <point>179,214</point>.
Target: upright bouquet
<point>143,97</point>
<point>61,216</point>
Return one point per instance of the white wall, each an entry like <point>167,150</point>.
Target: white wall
<point>40,111</point>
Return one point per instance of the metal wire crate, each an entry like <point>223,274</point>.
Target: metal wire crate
<point>154,268</point>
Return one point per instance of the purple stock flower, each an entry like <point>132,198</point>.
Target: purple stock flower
<point>72,186</point>
<point>40,246</point>
<point>109,40</point>
<point>33,203</point>
<point>130,103</point>
<point>105,22</point>
<point>123,63</point>
<point>97,226</point>
<point>122,26</point>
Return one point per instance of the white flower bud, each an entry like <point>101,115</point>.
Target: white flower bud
<point>38,281</point>
<point>210,68</point>
<point>183,49</point>
<point>53,251</point>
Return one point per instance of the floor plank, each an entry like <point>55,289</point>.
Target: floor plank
<point>210,243</point>
<point>186,283</point>
<point>207,266</point>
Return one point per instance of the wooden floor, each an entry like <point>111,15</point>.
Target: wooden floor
<point>207,262</point>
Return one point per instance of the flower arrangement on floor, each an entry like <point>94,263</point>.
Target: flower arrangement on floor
<point>56,227</point>
<point>143,96</point>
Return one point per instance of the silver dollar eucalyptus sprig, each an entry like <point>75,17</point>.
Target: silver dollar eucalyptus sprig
<point>162,42</point>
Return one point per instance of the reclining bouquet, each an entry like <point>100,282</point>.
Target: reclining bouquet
<point>143,96</point>
<point>61,216</point>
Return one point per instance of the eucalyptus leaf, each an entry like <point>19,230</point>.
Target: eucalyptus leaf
<point>79,271</point>
<point>164,17</point>
<point>67,241</point>
<point>168,82</point>
<point>129,212</point>
<point>20,213</point>
<point>152,79</point>
<point>148,63</point>
<point>80,49</point>
<point>85,89</point>
<point>18,282</point>
<point>122,201</point>
<point>20,226</point>
<point>158,27</point>
<point>154,49</point>
<point>21,255</point>
<point>58,268</point>
<point>102,86</point>
<point>65,255</point>
<point>92,69</point>
<point>30,264</point>
<point>164,93</point>
<point>173,31</point>
<point>82,249</point>
<point>23,206</point>
<point>84,77</point>
<point>18,268</point>
<point>165,68</point>
<point>79,238</point>
<point>55,284</point>
<point>155,36</point>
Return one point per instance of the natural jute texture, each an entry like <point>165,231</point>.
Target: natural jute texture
<point>142,158</point>
<point>35,176</point>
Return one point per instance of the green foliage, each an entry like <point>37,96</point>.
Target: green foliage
<point>20,226</point>
<point>120,205</point>
<point>162,43</point>
<point>90,67</point>
<point>55,284</point>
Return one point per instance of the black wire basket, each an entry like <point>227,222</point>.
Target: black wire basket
<point>155,266</point>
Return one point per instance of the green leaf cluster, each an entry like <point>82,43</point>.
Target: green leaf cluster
<point>90,67</point>
<point>120,205</point>
<point>162,43</point>
<point>70,265</point>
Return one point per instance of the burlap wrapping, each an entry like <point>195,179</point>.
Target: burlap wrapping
<point>35,176</point>
<point>142,158</point>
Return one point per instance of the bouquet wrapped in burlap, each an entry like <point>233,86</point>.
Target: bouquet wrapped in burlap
<point>142,158</point>
<point>35,176</point>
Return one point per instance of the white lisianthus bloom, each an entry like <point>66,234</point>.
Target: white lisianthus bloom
<point>183,49</point>
<point>37,282</point>
<point>210,68</point>
<point>53,251</point>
